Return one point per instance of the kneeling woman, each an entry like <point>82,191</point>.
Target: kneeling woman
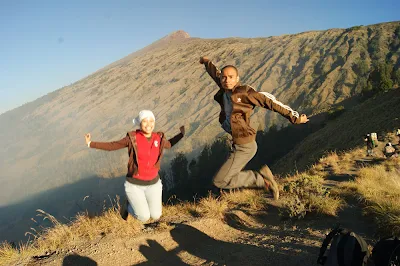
<point>143,184</point>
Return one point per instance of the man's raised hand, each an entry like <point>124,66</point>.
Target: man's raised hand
<point>304,119</point>
<point>203,60</point>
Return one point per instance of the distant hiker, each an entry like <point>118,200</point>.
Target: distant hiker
<point>370,144</point>
<point>389,151</point>
<point>143,186</point>
<point>397,146</point>
<point>237,102</point>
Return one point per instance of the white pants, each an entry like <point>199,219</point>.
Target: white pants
<point>144,201</point>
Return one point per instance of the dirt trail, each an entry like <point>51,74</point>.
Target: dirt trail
<point>239,239</point>
<point>351,216</point>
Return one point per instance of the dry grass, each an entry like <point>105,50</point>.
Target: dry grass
<point>253,200</point>
<point>62,236</point>
<point>86,228</point>
<point>337,162</point>
<point>379,188</point>
<point>304,194</point>
<point>347,158</point>
<point>327,163</point>
<point>331,158</point>
<point>213,207</point>
<point>180,210</point>
<point>392,164</point>
<point>325,205</point>
<point>19,255</point>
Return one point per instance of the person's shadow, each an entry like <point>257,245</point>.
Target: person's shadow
<point>205,250</point>
<point>158,255</point>
<point>76,260</point>
<point>201,245</point>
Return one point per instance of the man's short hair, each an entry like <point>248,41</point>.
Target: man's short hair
<point>231,66</point>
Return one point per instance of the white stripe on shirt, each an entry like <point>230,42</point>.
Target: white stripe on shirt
<point>272,97</point>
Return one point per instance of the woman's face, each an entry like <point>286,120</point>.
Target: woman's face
<point>147,125</point>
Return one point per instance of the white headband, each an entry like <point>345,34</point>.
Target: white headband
<point>142,115</point>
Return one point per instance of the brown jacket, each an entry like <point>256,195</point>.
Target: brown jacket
<point>244,99</point>
<point>132,151</point>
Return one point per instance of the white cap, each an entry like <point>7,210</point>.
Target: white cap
<point>142,115</point>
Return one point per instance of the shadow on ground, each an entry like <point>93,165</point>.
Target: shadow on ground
<point>207,250</point>
<point>76,260</point>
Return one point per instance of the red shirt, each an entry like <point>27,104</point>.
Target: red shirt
<point>148,152</point>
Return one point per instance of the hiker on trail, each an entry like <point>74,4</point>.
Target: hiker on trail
<point>237,102</point>
<point>143,185</point>
<point>398,135</point>
<point>389,151</point>
<point>370,145</point>
<point>397,146</point>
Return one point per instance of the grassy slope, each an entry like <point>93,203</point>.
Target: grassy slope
<point>378,114</point>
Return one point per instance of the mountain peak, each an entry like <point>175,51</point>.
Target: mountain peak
<point>177,35</point>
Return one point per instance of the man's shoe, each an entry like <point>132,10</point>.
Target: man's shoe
<point>124,209</point>
<point>269,180</point>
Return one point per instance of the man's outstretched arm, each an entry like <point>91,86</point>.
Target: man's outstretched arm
<point>211,69</point>
<point>268,101</point>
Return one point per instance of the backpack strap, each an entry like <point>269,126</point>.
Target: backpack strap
<point>396,246</point>
<point>340,249</point>
<point>322,258</point>
<point>360,251</point>
<point>364,249</point>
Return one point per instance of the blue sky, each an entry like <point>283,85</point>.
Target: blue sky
<point>45,45</point>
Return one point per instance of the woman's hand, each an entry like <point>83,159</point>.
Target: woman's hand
<point>182,129</point>
<point>88,138</point>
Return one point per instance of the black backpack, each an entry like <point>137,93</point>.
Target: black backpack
<point>386,252</point>
<point>346,249</point>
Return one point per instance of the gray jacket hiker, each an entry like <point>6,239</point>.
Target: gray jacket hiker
<point>370,145</point>
<point>237,102</point>
<point>389,150</point>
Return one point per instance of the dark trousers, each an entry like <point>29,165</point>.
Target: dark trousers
<point>231,174</point>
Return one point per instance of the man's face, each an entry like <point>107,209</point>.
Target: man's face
<point>147,125</point>
<point>229,78</point>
